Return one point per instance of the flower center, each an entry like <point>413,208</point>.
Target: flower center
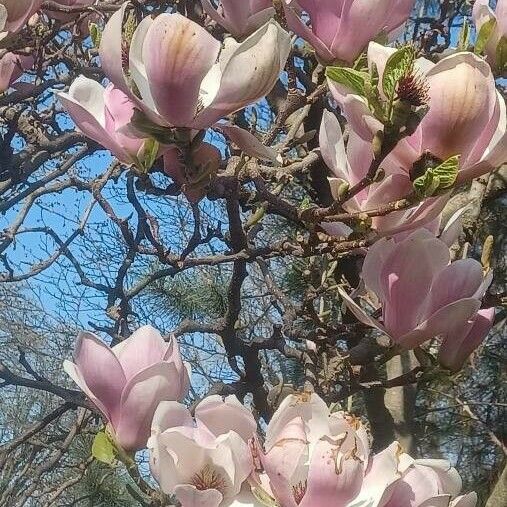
<point>208,478</point>
<point>299,491</point>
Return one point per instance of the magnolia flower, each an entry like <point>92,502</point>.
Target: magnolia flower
<point>103,114</point>
<point>429,482</point>
<point>127,382</point>
<point>11,68</point>
<point>203,462</point>
<point>351,166</point>
<point>15,13</point>
<point>483,14</point>
<point>316,457</point>
<point>240,17</point>
<point>181,76</point>
<point>341,29</point>
<point>472,125</point>
<point>422,296</point>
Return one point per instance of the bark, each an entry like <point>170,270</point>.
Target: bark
<point>498,497</point>
<point>400,401</point>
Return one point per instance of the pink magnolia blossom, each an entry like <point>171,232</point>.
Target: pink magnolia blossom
<point>203,462</point>
<point>12,67</point>
<point>351,166</point>
<point>185,78</point>
<point>103,114</point>
<point>341,29</point>
<point>316,457</point>
<point>472,125</point>
<point>240,17</point>
<point>482,14</point>
<point>15,13</point>
<point>127,382</point>
<point>423,296</point>
<point>429,482</point>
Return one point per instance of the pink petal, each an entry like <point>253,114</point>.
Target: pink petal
<point>139,400</point>
<point>143,348</point>
<point>101,371</point>
<point>456,348</point>
<point>220,416</point>
<point>469,500</point>
<point>373,264</point>
<point>190,496</point>
<point>178,53</point>
<point>247,142</point>
<point>448,320</point>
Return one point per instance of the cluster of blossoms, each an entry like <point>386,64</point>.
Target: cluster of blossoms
<point>309,455</point>
<point>170,81</point>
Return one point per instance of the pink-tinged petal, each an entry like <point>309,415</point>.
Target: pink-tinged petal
<point>10,70</point>
<point>190,496</point>
<point>384,470</point>
<point>453,228</point>
<point>456,348</point>
<point>448,320</point>
<point>141,349</point>
<point>248,72</point>
<point>406,275</point>
<point>173,355</point>
<point>170,414</point>
<point>332,147</point>
<point>139,400</point>
<point>312,410</point>
<point>501,16</point>
<point>468,500</point>
<point>85,104</point>
<point>377,57</point>
<point>178,54</point>
<point>247,142</point>
<point>459,280</point>
<point>495,154</point>
<point>359,313</point>
<point>72,371</point>
<point>424,480</point>
<point>295,24</point>
<point>482,13</point>
<point>462,100</point>
<point>101,371</point>
<point>335,475</point>
<point>437,501</point>
<point>110,50</point>
<point>399,13</point>
<point>286,462</point>
<point>220,416</point>
<point>373,263</point>
<point>18,13</point>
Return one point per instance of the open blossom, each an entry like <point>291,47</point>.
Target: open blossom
<point>351,165</point>
<point>181,76</point>
<point>12,67</point>
<point>203,462</point>
<point>314,457</point>
<point>423,296</point>
<point>240,17</point>
<point>482,13</point>
<point>429,482</point>
<point>472,125</point>
<point>127,382</point>
<point>341,29</point>
<point>103,114</point>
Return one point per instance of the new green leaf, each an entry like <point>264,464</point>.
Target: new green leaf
<point>355,80</point>
<point>398,65</point>
<point>439,178</point>
<point>103,449</point>
<point>484,35</point>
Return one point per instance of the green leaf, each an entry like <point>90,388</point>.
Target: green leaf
<point>398,65</point>
<point>350,78</point>
<point>484,35</point>
<point>103,449</point>
<point>439,178</point>
<point>95,34</point>
<point>148,153</point>
<point>464,36</point>
<point>501,54</point>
